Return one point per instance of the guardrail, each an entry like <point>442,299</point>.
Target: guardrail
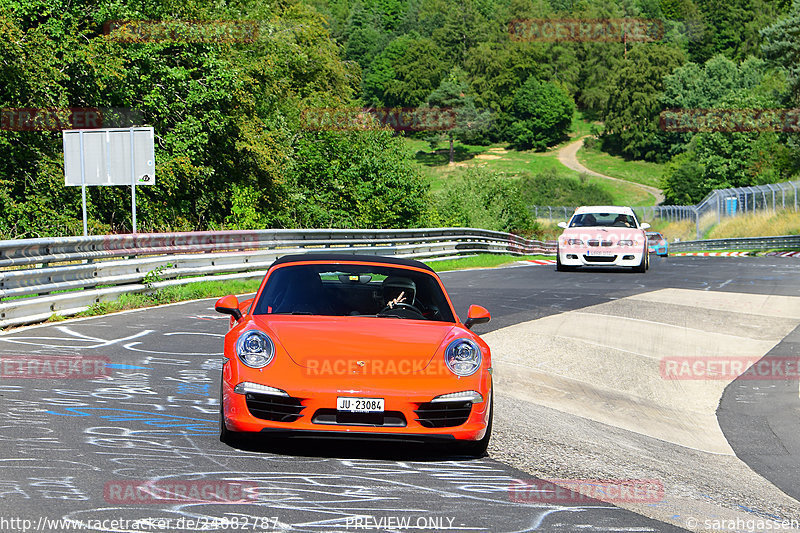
<point>94,269</point>
<point>741,243</point>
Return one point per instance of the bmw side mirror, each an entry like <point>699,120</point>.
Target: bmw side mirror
<point>562,225</point>
<point>645,226</point>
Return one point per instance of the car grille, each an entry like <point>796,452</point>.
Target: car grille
<point>334,417</point>
<point>443,414</point>
<point>274,408</point>
<point>596,242</point>
<point>600,258</point>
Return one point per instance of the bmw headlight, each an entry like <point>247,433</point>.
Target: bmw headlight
<point>463,357</point>
<point>625,243</point>
<point>575,242</point>
<point>255,349</point>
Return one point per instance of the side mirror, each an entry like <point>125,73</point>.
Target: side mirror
<point>562,225</point>
<point>476,315</point>
<point>229,305</point>
<point>645,225</point>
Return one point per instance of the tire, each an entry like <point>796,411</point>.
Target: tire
<point>648,263</point>
<point>642,267</point>
<point>560,267</point>
<point>478,448</point>
<point>226,436</point>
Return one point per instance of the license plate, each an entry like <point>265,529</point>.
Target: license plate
<point>605,253</point>
<point>359,405</point>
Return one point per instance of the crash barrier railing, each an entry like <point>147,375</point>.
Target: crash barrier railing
<point>742,243</point>
<point>719,203</point>
<point>66,275</point>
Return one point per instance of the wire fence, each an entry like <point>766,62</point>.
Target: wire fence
<point>719,204</point>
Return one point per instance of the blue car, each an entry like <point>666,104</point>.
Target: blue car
<point>657,244</point>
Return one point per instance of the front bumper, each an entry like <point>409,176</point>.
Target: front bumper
<point>583,256</point>
<point>407,414</point>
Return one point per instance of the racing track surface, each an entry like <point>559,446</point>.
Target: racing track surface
<point>72,447</point>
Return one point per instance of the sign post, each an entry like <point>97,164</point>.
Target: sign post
<point>113,156</point>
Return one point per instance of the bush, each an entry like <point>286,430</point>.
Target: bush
<point>359,179</point>
<point>480,198</point>
<point>551,188</point>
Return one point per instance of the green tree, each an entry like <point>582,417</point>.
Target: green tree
<point>542,114</point>
<point>631,119</point>
<point>361,179</point>
<point>417,73</point>
<point>452,96</point>
<point>781,45</point>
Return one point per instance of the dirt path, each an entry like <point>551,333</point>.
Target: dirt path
<point>567,155</point>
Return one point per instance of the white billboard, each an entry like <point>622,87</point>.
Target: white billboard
<point>113,156</point>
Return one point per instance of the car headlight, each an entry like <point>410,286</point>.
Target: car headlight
<point>575,242</point>
<point>463,357</point>
<point>255,349</point>
<point>625,243</point>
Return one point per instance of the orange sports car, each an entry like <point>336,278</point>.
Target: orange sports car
<point>357,347</point>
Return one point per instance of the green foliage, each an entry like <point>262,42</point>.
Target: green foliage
<point>551,188</point>
<point>542,114</point>
<point>154,276</point>
<point>232,150</point>
<point>227,118</point>
<point>723,159</point>
<point>417,73</point>
<point>731,27</point>
<point>364,179</point>
<point>781,45</point>
<point>469,125</point>
<point>480,198</point>
<point>683,180</point>
<point>631,119</point>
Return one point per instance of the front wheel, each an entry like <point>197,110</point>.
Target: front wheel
<point>478,448</point>
<point>226,435</point>
<point>560,267</point>
<point>642,267</point>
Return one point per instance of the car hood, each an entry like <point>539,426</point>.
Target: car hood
<point>603,233</point>
<point>312,338</point>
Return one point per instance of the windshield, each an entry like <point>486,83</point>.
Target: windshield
<point>590,220</point>
<point>354,290</point>
<point>654,237</point>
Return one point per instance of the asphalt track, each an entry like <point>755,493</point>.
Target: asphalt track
<point>72,447</point>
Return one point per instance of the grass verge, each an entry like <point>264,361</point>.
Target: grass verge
<point>481,261</point>
<point>764,224</point>
<point>642,172</point>
<point>167,295</point>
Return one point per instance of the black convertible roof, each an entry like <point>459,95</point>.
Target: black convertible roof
<point>336,258</point>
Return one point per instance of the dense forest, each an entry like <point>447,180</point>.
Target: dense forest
<point>234,149</point>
